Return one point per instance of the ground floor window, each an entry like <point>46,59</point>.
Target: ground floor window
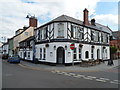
<point>74,54</point>
<point>92,53</point>
<point>80,53</point>
<point>21,54</point>
<point>86,54</point>
<point>28,54</point>
<point>44,53</point>
<point>40,53</point>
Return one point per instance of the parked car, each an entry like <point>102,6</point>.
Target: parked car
<point>14,59</point>
<point>5,56</point>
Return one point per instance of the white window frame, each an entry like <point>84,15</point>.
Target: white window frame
<point>60,30</point>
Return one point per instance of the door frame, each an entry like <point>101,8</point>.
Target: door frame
<point>57,51</point>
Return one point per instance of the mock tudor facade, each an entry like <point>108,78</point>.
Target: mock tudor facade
<point>53,40</point>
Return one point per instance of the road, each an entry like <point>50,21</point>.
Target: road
<point>15,76</point>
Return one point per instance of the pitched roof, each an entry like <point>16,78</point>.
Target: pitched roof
<point>73,20</point>
<point>115,35</point>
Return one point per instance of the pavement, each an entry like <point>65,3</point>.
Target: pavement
<point>75,68</point>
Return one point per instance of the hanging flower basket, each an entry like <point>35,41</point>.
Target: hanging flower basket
<point>47,45</point>
<point>80,45</point>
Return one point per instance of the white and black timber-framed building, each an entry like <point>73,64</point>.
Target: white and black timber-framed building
<point>53,40</point>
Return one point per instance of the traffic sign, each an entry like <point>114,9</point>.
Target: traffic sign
<point>72,46</point>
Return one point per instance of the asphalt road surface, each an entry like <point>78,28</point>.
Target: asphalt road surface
<point>15,76</point>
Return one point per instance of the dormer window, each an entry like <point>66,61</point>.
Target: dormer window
<point>60,30</point>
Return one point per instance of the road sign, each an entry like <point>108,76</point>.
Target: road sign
<point>72,46</point>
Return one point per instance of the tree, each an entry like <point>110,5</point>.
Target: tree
<point>113,50</point>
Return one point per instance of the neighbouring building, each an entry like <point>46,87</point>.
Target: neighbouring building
<point>53,40</point>
<point>115,42</point>
<point>11,46</point>
<point>27,49</point>
<point>26,44</point>
<point>1,48</point>
<point>5,48</point>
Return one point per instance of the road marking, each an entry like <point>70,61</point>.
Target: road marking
<point>67,74</point>
<point>79,76</point>
<point>100,80</point>
<point>104,78</point>
<point>72,74</point>
<point>57,71</point>
<point>88,78</point>
<point>91,77</point>
<point>114,82</point>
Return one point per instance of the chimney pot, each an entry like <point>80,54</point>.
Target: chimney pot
<point>32,22</point>
<point>86,22</point>
<point>93,22</point>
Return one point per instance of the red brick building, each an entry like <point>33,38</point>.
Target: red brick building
<point>116,43</point>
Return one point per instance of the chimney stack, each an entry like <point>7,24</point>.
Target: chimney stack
<point>86,22</point>
<point>32,22</point>
<point>93,22</point>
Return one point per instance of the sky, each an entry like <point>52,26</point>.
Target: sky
<point>14,12</point>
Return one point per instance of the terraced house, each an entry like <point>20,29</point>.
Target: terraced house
<point>53,40</point>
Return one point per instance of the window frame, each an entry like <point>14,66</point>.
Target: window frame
<point>61,30</point>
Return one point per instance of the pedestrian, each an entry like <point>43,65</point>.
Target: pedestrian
<point>110,62</point>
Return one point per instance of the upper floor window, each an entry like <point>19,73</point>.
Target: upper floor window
<point>92,35</point>
<point>80,33</point>
<point>72,32</point>
<point>60,30</point>
<point>26,33</point>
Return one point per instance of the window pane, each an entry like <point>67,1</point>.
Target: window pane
<point>74,56</point>
<point>60,29</point>
<point>86,54</point>
<point>79,56</point>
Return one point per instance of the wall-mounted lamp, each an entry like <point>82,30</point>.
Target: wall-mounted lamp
<point>54,47</point>
<point>65,47</point>
<point>80,45</point>
<point>93,46</point>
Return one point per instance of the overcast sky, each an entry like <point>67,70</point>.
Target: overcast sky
<point>14,12</point>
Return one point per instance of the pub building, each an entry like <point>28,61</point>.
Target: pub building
<point>66,40</point>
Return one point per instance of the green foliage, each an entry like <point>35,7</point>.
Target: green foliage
<point>113,50</point>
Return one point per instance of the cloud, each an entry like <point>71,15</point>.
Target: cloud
<point>13,12</point>
<point>107,19</point>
